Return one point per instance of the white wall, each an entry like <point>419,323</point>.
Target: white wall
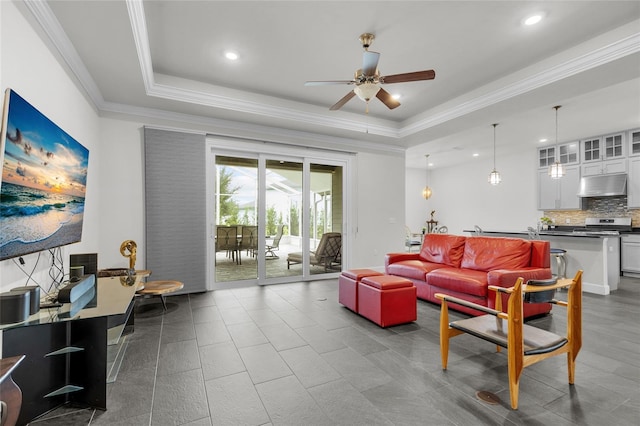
<point>115,189</point>
<point>380,209</point>
<point>121,192</point>
<point>462,197</point>
<point>29,68</point>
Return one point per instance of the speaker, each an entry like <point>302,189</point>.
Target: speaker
<point>88,260</point>
<point>14,306</point>
<point>34,297</point>
<point>74,290</point>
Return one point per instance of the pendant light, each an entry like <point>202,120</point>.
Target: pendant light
<point>556,170</point>
<point>426,192</point>
<point>494,176</point>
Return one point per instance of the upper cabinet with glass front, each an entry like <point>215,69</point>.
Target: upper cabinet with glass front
<point>604,155</point>
<point>566,154</point>
<point>634,142</point>
<point>614,146</point>
<point>603,148</point>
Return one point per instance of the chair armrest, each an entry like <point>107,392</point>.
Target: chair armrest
<point>466,303</point>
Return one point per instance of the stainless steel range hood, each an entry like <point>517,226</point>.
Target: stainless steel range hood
<point>603,185</point>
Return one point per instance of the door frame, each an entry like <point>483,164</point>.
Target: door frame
<point>219,145</point>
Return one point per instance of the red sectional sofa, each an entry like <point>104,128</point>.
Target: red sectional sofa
<point>465,266</point>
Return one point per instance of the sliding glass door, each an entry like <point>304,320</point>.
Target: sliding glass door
<point>325,218</point>
<point>236,218</point>
<point>273,218</point>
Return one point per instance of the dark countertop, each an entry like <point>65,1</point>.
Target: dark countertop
<point>549,233</point>
<point>557,231</point>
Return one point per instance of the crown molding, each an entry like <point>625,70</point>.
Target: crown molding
<point>268,106</point>
<point>51,26</point>
<point>248,131</point>
<point>619,49</point>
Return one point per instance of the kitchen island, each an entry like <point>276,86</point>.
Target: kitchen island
<point>597,255</point>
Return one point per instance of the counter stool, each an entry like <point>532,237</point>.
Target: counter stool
<point>561,261</point>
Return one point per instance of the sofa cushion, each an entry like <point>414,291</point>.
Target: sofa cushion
<point>487,253</point>
<point>459,280</point>
<point>412,269</point>
<point>443,248</point>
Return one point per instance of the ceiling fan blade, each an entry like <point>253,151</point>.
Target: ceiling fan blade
<point>343,101</point>
<point>409,76</point>
<point>387,99</point>
<point>370,63</point>
<point>328,82</point>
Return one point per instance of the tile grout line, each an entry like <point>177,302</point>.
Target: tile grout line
<point>204,382</point>
<point>155,373</point>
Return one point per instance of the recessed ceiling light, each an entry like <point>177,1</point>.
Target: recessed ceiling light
<point>533,19</point>
<point>232,56</point>
<point>396,96</point>
<point>430,164</point>
<point>475,154</point>
<point>543,140</point>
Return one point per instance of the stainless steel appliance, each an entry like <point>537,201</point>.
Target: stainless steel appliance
<point>604,226</point>
<point>630,247</point>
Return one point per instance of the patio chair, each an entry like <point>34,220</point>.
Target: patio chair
<point>275,244</point>
<point>227,240</point>
<point>248,241</point>
<point>525,344</point>
<point>328,253</point>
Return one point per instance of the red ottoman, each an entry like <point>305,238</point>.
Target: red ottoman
<point>348,286</point>
<point>387,300</point>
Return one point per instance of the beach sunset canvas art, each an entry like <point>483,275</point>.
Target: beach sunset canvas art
<point>44,176</point>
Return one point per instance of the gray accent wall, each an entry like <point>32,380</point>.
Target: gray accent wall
<point>175,207</point>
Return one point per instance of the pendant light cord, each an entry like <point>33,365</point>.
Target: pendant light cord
<point>557,107</point>
<point>494,145</point>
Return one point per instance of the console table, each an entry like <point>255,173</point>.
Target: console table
<point>65,349</point>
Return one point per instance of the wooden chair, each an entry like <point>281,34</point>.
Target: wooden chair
<point>525,344</point>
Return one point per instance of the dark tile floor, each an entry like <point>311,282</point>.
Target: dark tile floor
<point>291,355</point>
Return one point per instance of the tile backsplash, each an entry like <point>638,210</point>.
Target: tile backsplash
<point>596,207</point>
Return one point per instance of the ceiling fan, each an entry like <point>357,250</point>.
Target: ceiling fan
<point>368,79</point>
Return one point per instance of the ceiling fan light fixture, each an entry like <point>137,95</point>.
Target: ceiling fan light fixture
<point>366,91</point>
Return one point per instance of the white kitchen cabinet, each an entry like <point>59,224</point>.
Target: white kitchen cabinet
<point>633,183</point>
<point>566,154</point>
<point>618,165</point>
<point>631,253</point>
<point>546,156</point>
<point>591,150</point>
<point>614,146</point>
<point>634,142</point>
<point>559,194</point>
